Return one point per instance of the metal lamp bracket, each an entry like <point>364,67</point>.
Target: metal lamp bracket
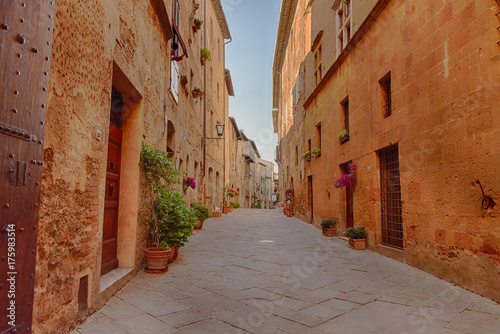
<point>487,200</point>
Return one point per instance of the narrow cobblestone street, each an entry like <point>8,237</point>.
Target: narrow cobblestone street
<point>257,271</point>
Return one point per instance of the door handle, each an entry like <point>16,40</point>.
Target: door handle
<point>111,187</point>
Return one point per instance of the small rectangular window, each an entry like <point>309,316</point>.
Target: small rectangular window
<point>344,137</point>
<point>318,129</point>
<point>345,109</point>
<point>296,155</point>
<point>385,88</point>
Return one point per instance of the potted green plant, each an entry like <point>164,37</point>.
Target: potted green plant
<point>197,25</point>
<point>178,219</point>
<point>160,175</point>
<point>231,193</point>
<point>356,237</point>
<point>307,156</point>
<point>316,152</point>
<point>343,136</point>
<point>205,55</point>
<point>201,212</point>
<point>328,226</point>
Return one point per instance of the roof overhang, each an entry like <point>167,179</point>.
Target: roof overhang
<point>248,158</point>
<point>229,82</point>
<point>287,14</point>
<point>275,120</point>
<point>238,134</point>
<point>255,148</point>
<point>221,17</point>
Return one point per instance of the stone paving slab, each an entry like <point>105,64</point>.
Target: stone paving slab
<point>257,271</point>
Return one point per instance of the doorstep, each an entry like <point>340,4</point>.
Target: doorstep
<point>114,276</point>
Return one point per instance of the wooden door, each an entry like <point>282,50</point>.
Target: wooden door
<point>25,46</point>
<point>111,201</point>
<point>310,197</point>
<point>349,200</point>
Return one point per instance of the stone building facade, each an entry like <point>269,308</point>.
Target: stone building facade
<point>250,176</point>
<point>265,183</point>
<point>415,85</point>
<point>122,74</point>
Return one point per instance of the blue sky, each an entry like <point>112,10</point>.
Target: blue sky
<point>249,57</point>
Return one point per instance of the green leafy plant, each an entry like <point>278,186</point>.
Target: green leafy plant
<point>316,152</point>
<point>205,55</point>
<point>200,210</point>
<point>355,232</point>
<point>235,204</point>
<point>343,134</point>
<point>328,223</point>
<point>175,218</point>
<point>160,174</point>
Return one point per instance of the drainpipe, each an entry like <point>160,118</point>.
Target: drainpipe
<point>226,116</point>
<point>204,141</point>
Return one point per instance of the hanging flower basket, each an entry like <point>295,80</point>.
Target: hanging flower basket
<point>197,94</point>
<point>197,25</point>
<point>188,182</point>
<point>347,180</point>
<point>205,55</point>
<point>343,136</point>
<point>307,156</point>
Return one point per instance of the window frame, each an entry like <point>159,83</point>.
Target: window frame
<point>344,25</point>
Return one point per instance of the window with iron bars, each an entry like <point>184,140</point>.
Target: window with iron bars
<point>390,191</point>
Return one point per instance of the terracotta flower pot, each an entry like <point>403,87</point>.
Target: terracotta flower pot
<point>344,139</point>
<point>157,259</point>
<point>225,209</point>
<point>171,257</point>
<point>231,207</point>
<point>330,232</point>
<point>357,243</point>
<point>217,214</point>
<point>199,226</point>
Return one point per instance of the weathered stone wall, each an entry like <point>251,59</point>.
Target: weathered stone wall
<point>442,56</point>
<point>98,44</point>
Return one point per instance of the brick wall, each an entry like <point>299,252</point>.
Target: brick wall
<point>442,57</point>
